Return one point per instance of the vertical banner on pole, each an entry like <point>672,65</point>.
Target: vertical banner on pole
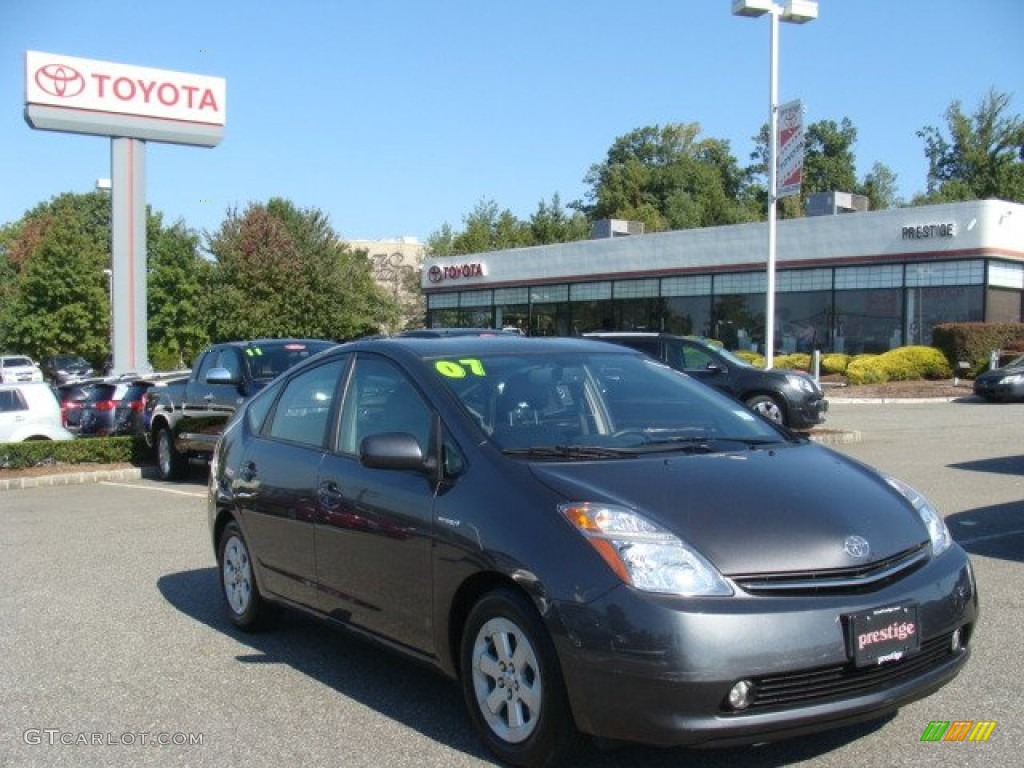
<point>791,149</point>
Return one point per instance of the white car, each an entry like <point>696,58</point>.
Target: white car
<point>30,411</point>
<point>18,368</point>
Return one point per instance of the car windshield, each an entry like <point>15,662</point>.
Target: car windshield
<point>730,358</point>
<point>266,361</point>
<point>66,361</point>
<point>16,362</point>
<point>588,404</point>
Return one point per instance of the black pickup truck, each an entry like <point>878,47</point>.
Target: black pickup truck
<point>182,421</point>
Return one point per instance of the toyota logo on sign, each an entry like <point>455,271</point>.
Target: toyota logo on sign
<point>60,80</point>
<point>434,274</point>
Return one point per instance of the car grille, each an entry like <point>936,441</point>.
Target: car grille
<point>864,578</point>
<point>847,680</point>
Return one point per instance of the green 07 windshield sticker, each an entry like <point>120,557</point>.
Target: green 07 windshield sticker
<point>460,369</point>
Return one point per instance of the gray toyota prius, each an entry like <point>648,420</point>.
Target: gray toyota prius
<point>590,542</point>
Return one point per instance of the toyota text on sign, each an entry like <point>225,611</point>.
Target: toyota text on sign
<point>102,86</point>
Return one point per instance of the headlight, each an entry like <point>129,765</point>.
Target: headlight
<point>803,382</point>
<point>937,530</point>
<point>643,554</point>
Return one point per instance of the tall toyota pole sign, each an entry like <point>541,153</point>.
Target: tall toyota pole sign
<point>131,105</point>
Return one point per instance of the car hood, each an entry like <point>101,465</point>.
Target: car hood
<point>998,373</point>
<point>783,509</point>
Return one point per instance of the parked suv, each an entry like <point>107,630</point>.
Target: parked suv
<point>787,397</point>
<point>29,411</point>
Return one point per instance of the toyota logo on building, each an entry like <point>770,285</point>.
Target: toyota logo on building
<point>434,274</point>
<point>856,547</point>
<point>60,80</point>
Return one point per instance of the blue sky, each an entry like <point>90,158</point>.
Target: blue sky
<point>397,116</point>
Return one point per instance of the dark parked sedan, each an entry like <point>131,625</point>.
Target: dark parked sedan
<point>590,541</point>
<point>1005,383</point>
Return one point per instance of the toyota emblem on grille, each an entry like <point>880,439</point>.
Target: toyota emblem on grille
<point>60,80</point>
<point>856,547</point>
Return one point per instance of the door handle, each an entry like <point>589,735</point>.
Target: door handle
<point>329,495</point>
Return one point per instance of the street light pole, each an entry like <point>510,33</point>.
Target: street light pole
<point>773,187</point>
<point>796,12</point>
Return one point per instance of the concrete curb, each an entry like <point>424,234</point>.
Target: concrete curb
<point>885,400</point>
<point>835,437</point>
<point>71,478</point>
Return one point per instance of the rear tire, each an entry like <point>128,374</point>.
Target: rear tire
<point>170,464</point>
<point>513,685</point>
<point>245,606</point>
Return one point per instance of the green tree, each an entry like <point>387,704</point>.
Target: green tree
<point>177,294</point>
<point>489,229</point>
<point>553,223</point>
<point>668,178</point>
<point>981,157</point>
<point>58,298</point>
<point>280,271</point>
<point>441,242</point>
<point>880,188</point>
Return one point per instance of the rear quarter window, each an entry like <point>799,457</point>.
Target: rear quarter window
<point>12,400</point>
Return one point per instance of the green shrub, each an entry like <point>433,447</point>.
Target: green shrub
<point>865,369</point>
<point>973,342</point>
<point>834,362</point>
<point>92,450</point>
<point>901,364</point>
<point>800,361</point>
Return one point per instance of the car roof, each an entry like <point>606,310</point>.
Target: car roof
<point>509,343</point>
<point>268,342</point>
<point>439,332</point>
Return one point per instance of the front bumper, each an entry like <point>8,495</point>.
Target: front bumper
<point>658,670</point>
<point>997,390</point>
<point>808,412</point>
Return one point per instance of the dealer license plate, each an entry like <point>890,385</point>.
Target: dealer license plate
<point>884,635</point>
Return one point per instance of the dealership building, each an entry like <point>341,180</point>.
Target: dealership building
<point>851,282</point>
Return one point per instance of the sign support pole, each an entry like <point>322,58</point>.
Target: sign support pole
<point>128,255</point>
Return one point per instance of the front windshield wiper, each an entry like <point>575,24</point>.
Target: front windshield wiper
<point>699,443</point>
<point>581,452</point>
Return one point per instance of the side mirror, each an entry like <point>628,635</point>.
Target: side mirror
<point>221,376</point>
<point>391,450</point>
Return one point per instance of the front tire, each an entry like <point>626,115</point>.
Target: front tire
<point>245,606</point>
<point>170,465</point>
<point>768,407</point>
<point>513,685</point>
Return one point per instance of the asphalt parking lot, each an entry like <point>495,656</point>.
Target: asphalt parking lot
<point>115,651</point>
